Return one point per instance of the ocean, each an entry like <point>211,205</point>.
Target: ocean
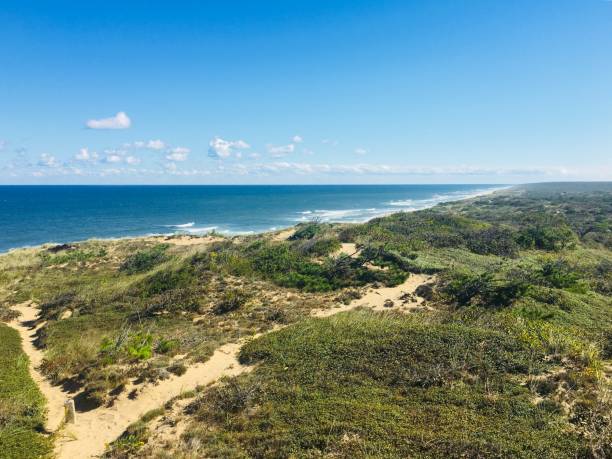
<point>32,215</point>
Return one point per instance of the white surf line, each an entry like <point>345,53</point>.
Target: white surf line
<point>53,394</point>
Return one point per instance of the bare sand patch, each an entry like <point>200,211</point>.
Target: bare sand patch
<point>348,248</point>
<point>283,235</point>
<point>402,298</point>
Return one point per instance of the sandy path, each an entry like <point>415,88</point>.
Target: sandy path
<point>24,325</point>
<point>94,429</point>
<point>376,298</point>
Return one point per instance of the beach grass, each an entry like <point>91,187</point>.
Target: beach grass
<point>22,406</point>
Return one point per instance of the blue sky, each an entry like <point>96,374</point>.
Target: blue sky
<point>305,91</point>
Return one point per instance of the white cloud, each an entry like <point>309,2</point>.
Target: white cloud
<point>360,151</point>
<point>156,144</point>
<point>85,155</point>
<point>297,139</point>
<point>47,160</point>
<point>2,144</point>
<point>132,160</point>
<point>178,154</point>
<point>113,158</point>
<point>331,142</point>
<point>385,169</point>
<point>119,121</point>
<point>281,150</point>
<point>219,148</point>
<point>253,155</point>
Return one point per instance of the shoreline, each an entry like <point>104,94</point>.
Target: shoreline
<point>231,234</point>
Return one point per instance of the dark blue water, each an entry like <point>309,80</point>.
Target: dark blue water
<point>32,215</point>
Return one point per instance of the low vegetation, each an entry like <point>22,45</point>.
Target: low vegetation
<point>510,358</point>
<point>365,385</point>
<point>22,406</point>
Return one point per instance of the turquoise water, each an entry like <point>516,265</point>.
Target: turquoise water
<point>32,215</point>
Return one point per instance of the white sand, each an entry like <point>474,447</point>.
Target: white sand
<point>376,298</point>
<point>348,248</point>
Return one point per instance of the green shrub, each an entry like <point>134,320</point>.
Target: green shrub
<point>71,256</point>
<point>168,279</point>
<point>545,233</point>
<point>166,346</point>
<point>129,442</point>
<point>177,368</point>
<point>231,301</point>
<point>140,346</point>
<point>144,260</point>
<point>319,247</point>
<point>559,274</point>
<point>494,240</point>
<point>306,231</point>
<point>483,289</point>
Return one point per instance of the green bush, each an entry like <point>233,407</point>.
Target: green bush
<point>140,346</point>
<point>494,240</point>
<point>559,274</point>
<point>306,231</point>
<point>144,260</point>
<point>483,289</point>
<point>71,256</point>
<point>319,247</point>
<point>166,346</point>
<point>231,301</point>
<point>168,279</point>
<point>545,233</point>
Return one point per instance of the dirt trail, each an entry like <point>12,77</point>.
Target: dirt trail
<point>94,429</point>
<point>24,325</point>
